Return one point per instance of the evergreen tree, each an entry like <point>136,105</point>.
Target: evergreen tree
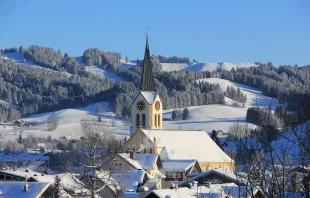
<point>185,114</point>
<point>20,139</point>
<point>126,59</point>
<point>49,138</point>
<point>57,187</point>
<point>21,49</point>
<point>214,135</point>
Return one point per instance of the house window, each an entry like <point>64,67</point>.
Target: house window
<point>158,120</point>
<point>138,120</point>
<point>143,120</point>
<point>134,150</point>
<point>179,175</point>
<point>151,151</point>
<point>155,124</point>
<point>174,175</point>
<point>144,150</point>
<point>168,175</point>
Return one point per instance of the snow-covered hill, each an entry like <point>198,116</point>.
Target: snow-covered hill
<point>204,66</point>
<point>103,73</point>
<point>18,57</point>
<point>207,117</point>
<point>254,96</point>
<point>69,123</point>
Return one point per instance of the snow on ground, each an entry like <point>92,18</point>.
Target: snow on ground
<point>129,64</point>
<point>204,66</point>
<point>69,123</point>
<point>18,57</point>
<point>207,117</point>
<point>103,73</point>
<point>173,66</point>
<point>254,96</point>
<point>287,146</point>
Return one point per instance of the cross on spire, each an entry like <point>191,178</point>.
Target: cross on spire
<point>147,31</point>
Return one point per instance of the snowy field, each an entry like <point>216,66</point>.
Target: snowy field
<point>18,57</point>
<point>69,123</point>
<point>102,73</point>
<point>254,96</point>
<point>206,117</point>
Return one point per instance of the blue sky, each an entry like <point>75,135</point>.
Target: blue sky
<point>210,31</point>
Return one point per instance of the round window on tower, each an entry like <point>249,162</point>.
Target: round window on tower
<point>157,105</point>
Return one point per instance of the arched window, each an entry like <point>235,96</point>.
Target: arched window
<point>158,120</point>
<point>151,151</point>
<point>155,124</point>
<point>138,120</point>
<point>144,150</point>
<point>143,120</point>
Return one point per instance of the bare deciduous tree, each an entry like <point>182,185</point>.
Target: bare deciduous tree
<point>96,159</point>
<point>53,122</point>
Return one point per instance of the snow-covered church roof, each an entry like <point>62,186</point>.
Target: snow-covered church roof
<point>148,95</point>
<point>187,145</point>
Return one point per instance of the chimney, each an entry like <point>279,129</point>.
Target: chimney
<point>26,184</point>
<point>131,155</point>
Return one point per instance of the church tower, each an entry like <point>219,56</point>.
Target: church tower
<point>146,107</point>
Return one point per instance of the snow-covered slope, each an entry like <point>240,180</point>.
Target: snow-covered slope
<point>254,96</point>
<point>69,123</point>
<point>103,73</point>
<point>288,145</point>
<point>129,64</point>
<point>18,57</point>
<point>99,71</point>
<point>207,117</point>
<point>204,66</point>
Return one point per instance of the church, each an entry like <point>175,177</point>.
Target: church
<point>148,136</point>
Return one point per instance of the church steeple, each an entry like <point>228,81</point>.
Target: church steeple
<point>147,83</point>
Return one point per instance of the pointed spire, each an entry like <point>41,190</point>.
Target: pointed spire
<point>147,83</point>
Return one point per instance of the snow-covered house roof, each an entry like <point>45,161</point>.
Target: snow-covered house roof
<point>68,181</point>
<point>147,161</point>
<point>213,191</point>
<point>16,189</point>
<point>125,179</point>
<point>148,95</point>
<point>126,157</point>
<point>187,145</point>
<point>224,172</point>
<point>177,165</point>
<point>173,193</point>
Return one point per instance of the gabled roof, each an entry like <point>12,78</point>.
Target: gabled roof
<point>147,161</point>
<point>227,173</point>
<point>148,95</point>
<point>131,162</point>
<point>124,179</point>
<point>16,189</point>
<point>195,145</point>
